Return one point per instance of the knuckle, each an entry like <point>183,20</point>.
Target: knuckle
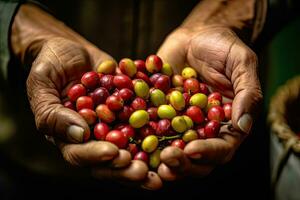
<point>45,118</point>
<point>70,157</point>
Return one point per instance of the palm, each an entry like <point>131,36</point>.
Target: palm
<point>63,62</point>
<point>225,63</point>
<point>208,53</point>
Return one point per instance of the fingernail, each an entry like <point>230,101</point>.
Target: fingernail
<point>75,134</point>
<point>245,123</point>
<point>173,162</point>
<point>148,184</point>
<point>195,156</point>
<point>108,157</point>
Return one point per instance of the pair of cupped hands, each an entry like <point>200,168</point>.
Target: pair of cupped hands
<point>222,60</point>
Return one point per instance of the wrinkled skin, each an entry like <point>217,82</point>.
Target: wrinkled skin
<point>59,64</point>
<point>224,62</point>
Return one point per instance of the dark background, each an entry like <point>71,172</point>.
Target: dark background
<point>135,29</point>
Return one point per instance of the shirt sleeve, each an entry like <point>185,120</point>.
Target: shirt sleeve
<point>8,9</point>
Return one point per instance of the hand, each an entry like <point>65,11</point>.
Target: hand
<point>59,64</point>
<point>224,62</point>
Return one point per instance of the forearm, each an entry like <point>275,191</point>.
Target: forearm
<point>32,27</point>
<point>245,17</point>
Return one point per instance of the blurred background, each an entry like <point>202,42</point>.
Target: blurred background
<point>135,29</point>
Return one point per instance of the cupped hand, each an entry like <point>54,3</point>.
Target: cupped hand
<point>225,63</point>
<point>59,64</point>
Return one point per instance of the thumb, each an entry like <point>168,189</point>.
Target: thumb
<point>51,117</point>
<point>247,89</point>
<point>172,51</point>
<point>48,78</point>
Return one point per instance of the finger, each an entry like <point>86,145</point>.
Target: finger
<point>53,119</point>
<point>195,170</point>
<point>97,56</point>
<point>173,157</point>
<point>180,165</point>
<point>90,153</point>
<point>167,174</point>
<point>215,150</point>
<point>172,52</point>
<point>247,89</point>
<point>137,171</point>
<point>47,78</point>
<point>55,67</point>
<point>122,160</point>
<point>152,182</point>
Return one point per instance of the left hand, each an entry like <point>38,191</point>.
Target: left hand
<point>224,62</point>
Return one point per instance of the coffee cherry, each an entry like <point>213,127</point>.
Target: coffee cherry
<point>84,102</point>
<point>198,99</point>
<point>195,113</point>
<point>154,159</point>
<point>178,143</point>
<point>189,121</point>
<point>167,69</point>
<point>127,67</point>
<point>143,76</point>
<point>177,100</point>
<point>163,83</point>
<point>216,113</point>
<point>190,135</point>
<point>191,86</point>
<point>122,81</point>
<point>150,143</point>
<point>179,124</point>
<point>166,112</point>
<point>125,113</point>
<point>88,115</point>
<point>163,127</point>
<point>140,65</point>
<point>70,105</point>
<point>128,131</point>
<point>105,114</point>
<point>215,96</point>
<point>114,102</point>
<point>227,107</point>
<point>107,81</point>
<point>126,94</point>
<point>139,118</point>
<point>143,156</point>
<point>152,111</point>
<point>90,79</point>
<point>76,91</point>
<point>139,104</point>
<point>157,97</point>
<point>132,95</point>
<point>99,95</point>
<point>107,67</point>
<point>141,89</point>
<point>118,138</point>
<point>153,64</point>
<point>100,131</point>
<point>189,72</point>
<point>177,80</point>
<point>211,129</point>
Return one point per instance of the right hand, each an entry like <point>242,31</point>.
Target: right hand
<point>58,65</point>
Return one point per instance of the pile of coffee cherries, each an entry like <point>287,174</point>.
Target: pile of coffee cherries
<point>143,107</point>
